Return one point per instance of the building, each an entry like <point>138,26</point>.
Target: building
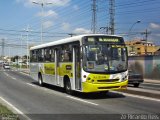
<point>141,47</point>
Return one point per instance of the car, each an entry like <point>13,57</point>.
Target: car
<point>6,66</point>
<point>135,78</point>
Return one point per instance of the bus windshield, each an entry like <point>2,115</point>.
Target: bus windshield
<point>106,57</point>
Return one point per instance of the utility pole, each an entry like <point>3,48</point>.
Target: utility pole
<point>112,15</point>
<point>21,53</point>
<point>3,44</point>
<point>94,17</point>
<point>146,33</point>
<point>27,30</point>
<point>42,3</point>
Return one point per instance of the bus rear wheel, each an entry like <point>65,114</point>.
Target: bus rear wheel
<point>68,88</point>
<point>40,80</point>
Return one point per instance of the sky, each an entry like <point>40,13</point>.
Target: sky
<point>62,17</point>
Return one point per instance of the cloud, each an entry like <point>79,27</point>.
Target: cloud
<point>49,13</point>
<point>76,7</point>
<point>65,26</point>
<point>59,2</point>
<point>81,30</point>
<point>154,26</point>
<point>54,2</point>
<point>47,24</point>
<point>158,35</point>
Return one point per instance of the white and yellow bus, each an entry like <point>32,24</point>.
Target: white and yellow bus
<point>84,63</point>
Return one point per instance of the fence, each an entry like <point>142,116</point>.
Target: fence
<point>149,66</point>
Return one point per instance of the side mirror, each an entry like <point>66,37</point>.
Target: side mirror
<point>81,52</point>
<point>81,55</point>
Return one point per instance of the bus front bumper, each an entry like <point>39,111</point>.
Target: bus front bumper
<point>90,87</point>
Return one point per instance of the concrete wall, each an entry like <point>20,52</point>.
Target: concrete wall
<point>149,66</point>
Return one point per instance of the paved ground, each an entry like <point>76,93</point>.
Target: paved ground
<point>50,102</point>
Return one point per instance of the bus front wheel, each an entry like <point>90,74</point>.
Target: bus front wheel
<point>40,80</point>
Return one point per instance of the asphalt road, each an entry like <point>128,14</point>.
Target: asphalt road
<point>51,102</point>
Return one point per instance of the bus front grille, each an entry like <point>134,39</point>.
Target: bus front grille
<point>109,80</point>
<point>110,87</point>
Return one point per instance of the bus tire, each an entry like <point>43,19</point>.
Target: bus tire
<point>68,88</point>
<point>40,80</point>
<point>136,85</point>
<point>104,92</point>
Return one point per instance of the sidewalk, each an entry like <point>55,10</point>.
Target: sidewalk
<point>24,70</point>
<point>151,81</point>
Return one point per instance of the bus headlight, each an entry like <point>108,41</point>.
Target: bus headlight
<point>90,80</point>
<point>124,78</point>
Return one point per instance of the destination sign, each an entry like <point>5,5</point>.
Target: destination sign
<point>108,40</point>
<point>103,39</point>
<point>91,39</point>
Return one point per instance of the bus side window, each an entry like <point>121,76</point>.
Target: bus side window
<point>66,53</point>
<point>40,58</point>
<point>47,55</point>
<point>34,56</point>
<point>52,53</point>
<point>31,56</point>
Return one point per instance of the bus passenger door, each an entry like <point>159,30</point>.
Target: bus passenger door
<point>57,54</point>
<point>76,67</point>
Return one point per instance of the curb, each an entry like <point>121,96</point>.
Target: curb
<point>152,94</point>
<point>151,81</point>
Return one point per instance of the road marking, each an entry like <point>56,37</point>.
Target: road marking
<point>138,96</point>
<point>82,100</point>
<point>13,78</point>
<point>31,85</point>
<point>6,74</point>
<point>24,73</point>
<point>38,87</point>
<point>9,76</point>
<point>16,109</point>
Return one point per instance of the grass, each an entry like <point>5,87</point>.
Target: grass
<point>18,66</point>
<point>6,114</point>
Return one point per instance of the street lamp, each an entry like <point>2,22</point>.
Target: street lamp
<point>42,12</point>
<point>105,28</point>
<point>27,30</point>
<point>138,21</point>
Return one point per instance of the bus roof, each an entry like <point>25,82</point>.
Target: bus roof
<point>68,40</point>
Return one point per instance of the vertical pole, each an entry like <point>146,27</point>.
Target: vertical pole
<point>27,50</point>
<point>2,48</point>
<point>146,39</point>
<point>21,54</point>
<point>112,15</point>
<point>146,35</point>
<point>42,22</point>
<point>9,56</point>
<point>27,45</point>
<point>94,17</point>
